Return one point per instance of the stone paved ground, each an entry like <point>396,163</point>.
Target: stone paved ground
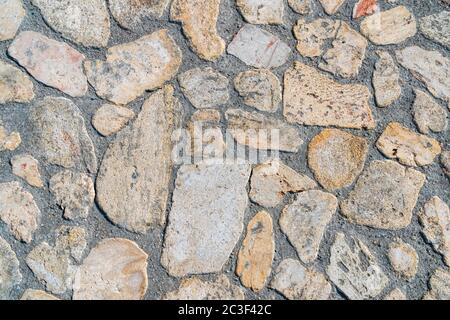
<point>93,204</point>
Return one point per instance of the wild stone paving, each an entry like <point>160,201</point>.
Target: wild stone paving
<point>224,149</point>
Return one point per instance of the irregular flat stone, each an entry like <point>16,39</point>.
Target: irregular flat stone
<point>9,141</point>
<point>110,119</point>
<point>252,129</point>
<point>384,196</point>
<point>197,289</point>
<point>83,21</point>
<point>10,275</point>
<point>331,6</point>
<point>254,262</point>
<point>31,294</point>
<point>301,6</point>
<point>60,135</point>
<point>132,183</point>
<point>27,168</point>
<point>312,36</point>
<point>204,227</point>
<point>131,13</point>
<point>296,282</point>
<point>445,162</point>
<point>259,48</point>
<point>439,286</point>
<point>71,241</point>
<point>74,193</point>
<point>273,179</point>
<point>304,221</point>
<point>205,88</point>
<point>51,62</point>
<point>336,158</point>
<point>312,98</point>
<point>347,53</point>
<point>11,17</point>
<point>53,265</point>
<point>435,220</point>
<point>19,211</point>
<point>260,89</point>
<point>429,67</point>
<point>354,270</point>
<point>428,115</point>
<point>386,80</point>
<point>403,258</point>
<point>410,148</point>
<point>15,85</point>
<point>395,294</point>
<point>390,26</point>
<point>116,269</point>
<point>199,19</point>
<point>365,8</point>
<point>132,68</point>
<point>436,27</point>
<point>262,11</point>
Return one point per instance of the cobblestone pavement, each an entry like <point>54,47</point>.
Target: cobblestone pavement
<point>118,117</point>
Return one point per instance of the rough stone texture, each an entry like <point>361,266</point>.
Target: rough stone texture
<point>410,148</point>
<point>395,294</point>
<point>197,289</point>
<point>9,141</point>
<point>205,88</point>
<point>259,48</point>
<point>312,36</point>
<point>336,158</point>
<point>430,67</point>
<point>354,270</point>
<point>262,11</point>
<point>390,26</point>
<point>259,131</point>
<point>403,258</point>
<point>428,115</point>
<point>301,6</point>
<point>132,183</point>
<point>110,119</point>
<point>27,168</point>
<point>83,21</point>
<point>11,18</point>
<point>51,62</point>
<point>439,286</point>
<point>296,282</point>
<point>132,68</point>
<point>445,162</point>
<point>53,265</point>
<point>198,19</point>
<point>254,262</point>
<point>208,200</point>
<point>15,85</point>
<point>314,99</point>
<point>60,134</point>
<point>304,221</point>
<point>39,295</point>
<point>273,179</point>
<point>331,6</point>
<point>364,8</point>
<point>386,80</point>
<point>347,53</point>
<point>435,219</point>
<point>10,275</point>
<point>437,27</point>
<point>73,192</point>
<point>384,196</point>
<point>116,269</point>
<point>19,211</point>
<point>131,13</point>
<point>260,89</point>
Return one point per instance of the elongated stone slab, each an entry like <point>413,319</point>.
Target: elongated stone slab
<point>312,98</point>
<point>386,80</point>
<point>132,68</point>
<point>132,183</point>
<point>51,62</point>
<point>437,27</point>
<point>206,219</point>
